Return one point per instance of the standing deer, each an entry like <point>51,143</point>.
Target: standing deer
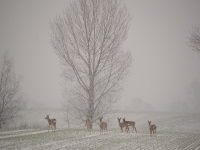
<point>103,125</point>
<point>88,123</point>
<point>121,125</point>
<point>129,123</point>
<point>152,128</point>
<point>51,122</point>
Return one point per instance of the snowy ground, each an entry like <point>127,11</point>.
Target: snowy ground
<point>175,131</point>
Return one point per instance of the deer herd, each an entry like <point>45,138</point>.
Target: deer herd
<point>103,125</point>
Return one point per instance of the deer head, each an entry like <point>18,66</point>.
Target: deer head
<point>119,119</point>
<point>47,117</point>
<point>124,119</point>
<point>149,122</point>
<point>100,118</point>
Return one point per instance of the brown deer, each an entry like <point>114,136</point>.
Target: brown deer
<point>121,124</point>
<point>129,123</point>
<point>103,125</point>
<point>88,123</point>
<point>51,122</point>
<point>152,128</point>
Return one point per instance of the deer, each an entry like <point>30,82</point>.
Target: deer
<point>88,123</point>
<point>121,124</point>
<point>152,128</point>
<point>103,125</point>
<point>52,122</point>
<point>129,123</point>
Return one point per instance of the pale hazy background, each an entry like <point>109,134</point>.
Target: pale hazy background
<point>163,69</point>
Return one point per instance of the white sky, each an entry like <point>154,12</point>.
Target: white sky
<point>163,67</point>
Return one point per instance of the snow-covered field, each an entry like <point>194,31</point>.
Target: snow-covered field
<point>174,131</point>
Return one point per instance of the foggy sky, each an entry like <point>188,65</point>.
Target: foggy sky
<point>163,67</point>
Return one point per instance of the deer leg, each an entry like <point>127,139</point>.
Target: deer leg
<point>127,129</point>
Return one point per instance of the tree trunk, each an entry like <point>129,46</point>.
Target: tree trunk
<point>91,101</point>
<point>0,122</point>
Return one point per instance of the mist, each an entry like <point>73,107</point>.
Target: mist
<point>165,75</point>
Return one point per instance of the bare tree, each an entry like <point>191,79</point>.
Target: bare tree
<point>194,90</point>
<point>88,39</point>
<point>10,100</point>
<point>194,39</point>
